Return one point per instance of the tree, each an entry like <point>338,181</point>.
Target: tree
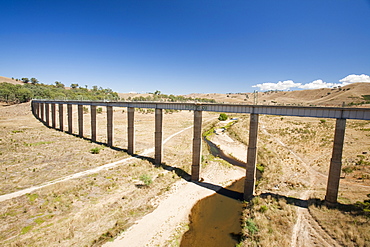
<point>74,85</point>
<point>25,80</point>
<point>34,80</point>
<point>157,92</point>
<point>222,117</point>
<point>58,84</point>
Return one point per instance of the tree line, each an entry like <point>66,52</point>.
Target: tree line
<point>32,89</point>
<point>11,93</point>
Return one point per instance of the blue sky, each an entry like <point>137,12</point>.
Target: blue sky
<point>192,46</point>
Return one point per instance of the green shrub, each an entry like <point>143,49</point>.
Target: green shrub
<point>146,179</point>
<point>85,110</point>
<point>222,117</point>
<point>99,110</point>
<point>251,226</point>
<point>95,150</point>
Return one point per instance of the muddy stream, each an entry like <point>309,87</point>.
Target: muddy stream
<point>215,220</point>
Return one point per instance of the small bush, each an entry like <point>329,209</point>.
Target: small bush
<point>85,110</point>
<point>95,150</point>
<point>146,179</point>
<point>222,117</point>
<point>99,110</point>
<point>251,226</point>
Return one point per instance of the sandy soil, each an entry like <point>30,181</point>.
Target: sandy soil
<point>156,228</point>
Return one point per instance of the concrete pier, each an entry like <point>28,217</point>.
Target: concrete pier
<point>110,126</point>
<point>53,116</point>
<point>47,115</point>
<point>197,146</point>
<point>69,112</point>
<point>130,130</point>
<point>336,162</point>
<point>93,122</point>
<point>158,136</point>
<point>42,107</point>
<point>80,120</point>
<point>250,177</point>
<point>61,117</point>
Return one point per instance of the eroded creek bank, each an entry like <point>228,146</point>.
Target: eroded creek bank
<point>215,220</point>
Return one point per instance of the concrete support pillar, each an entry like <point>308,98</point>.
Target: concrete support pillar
<point>197,146</point>
<point>336,162</point>
<point>158,136</point>
<point>47,114</point>
<point>93,122</point>
<point>80,120</point>
<point>61,117</point>
<point>33,108</point>
<point>42,107</point>
<point>36,109</point>
<point>69,112</point>
<point>250,177</point>
<point>130,130</point>
<point>110,125</point>
<point>53,116</point>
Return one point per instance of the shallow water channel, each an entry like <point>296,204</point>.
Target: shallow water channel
<point>215,220</point>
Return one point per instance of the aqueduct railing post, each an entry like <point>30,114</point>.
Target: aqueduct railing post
<point>130,130</point>
<point>250,176</point>
<point>336,162</point>
<point>197,145</point>
<point>158,136</point>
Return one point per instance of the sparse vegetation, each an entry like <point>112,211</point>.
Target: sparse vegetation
<point>267,221</point>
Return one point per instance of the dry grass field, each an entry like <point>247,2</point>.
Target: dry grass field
<point>294,154</point>
<point>86,210</point>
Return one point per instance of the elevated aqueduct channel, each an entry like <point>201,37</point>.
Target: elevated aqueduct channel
<point>45,111</point>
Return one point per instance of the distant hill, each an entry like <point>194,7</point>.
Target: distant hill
<point>351,94</point>
<point>10,80</point>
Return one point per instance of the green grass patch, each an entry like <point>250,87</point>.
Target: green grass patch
<point>32,197</point>
<point>35,144</point>
<point>26,229</point>
<point>17,131</point>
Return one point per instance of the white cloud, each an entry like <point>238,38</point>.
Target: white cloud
<point>281,85</point>
<point>355,78</point>
<point>318,84</point>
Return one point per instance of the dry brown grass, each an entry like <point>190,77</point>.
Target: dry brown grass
<point>89,210</point>
<point>267,221</point>
<point>296,153</point>
<point>346,222</point>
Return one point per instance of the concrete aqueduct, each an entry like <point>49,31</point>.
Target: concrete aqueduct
<point>44,109</point>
